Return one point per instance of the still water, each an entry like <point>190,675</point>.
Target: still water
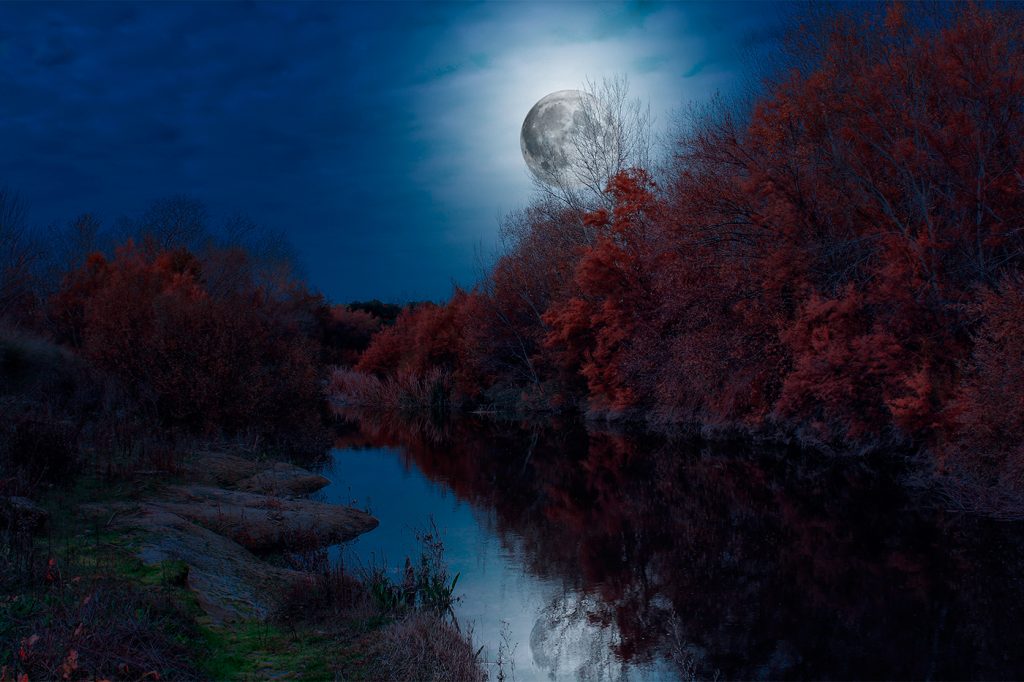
<point>600,555</point>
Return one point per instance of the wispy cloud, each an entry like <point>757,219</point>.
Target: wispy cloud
<point>471,116</point>
<point>383,137</point>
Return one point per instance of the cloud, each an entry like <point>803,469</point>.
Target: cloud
<point>471,116</point>
<point>384,142</point>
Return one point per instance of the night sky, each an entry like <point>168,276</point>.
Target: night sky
<point>382,137</point>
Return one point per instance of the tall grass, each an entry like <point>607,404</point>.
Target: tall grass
<point>420,638</point>
<point>74,610</point>
<point>420,647</point>
<point>426,584</point>
<point>403,391</point>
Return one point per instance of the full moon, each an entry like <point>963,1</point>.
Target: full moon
<point>548,133</point>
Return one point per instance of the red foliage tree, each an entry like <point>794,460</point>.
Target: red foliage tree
<point>886,175</point>
<point>346,333</point>
<point>505,328</point>
<point>836,262</point>
<point>241,359</point>
<point>591,331</point>
<point>986,440</point>
<point>424,336</point>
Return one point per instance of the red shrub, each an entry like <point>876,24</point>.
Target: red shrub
<point>237,359</point>
<point>592,330</point>
<point>346,333</point>
<point>844,368</point>
<point>987,440</point>
<point>422,337</point>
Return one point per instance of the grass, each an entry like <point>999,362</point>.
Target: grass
<point>421,647</point>
<point>86,607</point>
<point>255,650</point>
<point>431,391</point>
<point>82,606</point>
<point>405,628</point>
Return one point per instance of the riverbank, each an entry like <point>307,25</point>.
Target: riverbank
<point>194,570</point>
<point>947,484</point>
<point>671,557</point>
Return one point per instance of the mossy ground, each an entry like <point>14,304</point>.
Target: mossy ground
<point>86,548</point>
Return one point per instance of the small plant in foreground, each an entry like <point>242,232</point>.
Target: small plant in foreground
<point>426,584</point>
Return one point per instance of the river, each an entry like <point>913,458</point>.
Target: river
<point>595,554</point>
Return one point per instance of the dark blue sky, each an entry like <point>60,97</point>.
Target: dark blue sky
<point>382,137</point>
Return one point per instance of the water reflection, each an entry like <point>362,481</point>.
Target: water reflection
<point>615,556</point>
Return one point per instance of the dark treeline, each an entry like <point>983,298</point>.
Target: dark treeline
<point>839,261</point>
<point>127,339</point>
<point>127,354</point>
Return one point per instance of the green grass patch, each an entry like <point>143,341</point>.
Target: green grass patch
<point>257,650</point>
<point>85,588</point>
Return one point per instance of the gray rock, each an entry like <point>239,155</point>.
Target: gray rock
<point>283,479</point>
<point>264,522</point>
<point>229,581</point>
<point>277,478</point>
<point>214,531</point>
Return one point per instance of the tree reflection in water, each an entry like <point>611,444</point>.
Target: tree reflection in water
<point>729,559</point>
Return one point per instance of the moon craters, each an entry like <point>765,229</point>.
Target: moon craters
<point>547,137</point>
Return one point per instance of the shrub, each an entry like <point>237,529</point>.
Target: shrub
<point>419,647</point>
<point>325,596</point>
<point>197,360</point>
<point>104,629</point>
<point>985,445</point>
<point>406,390</point>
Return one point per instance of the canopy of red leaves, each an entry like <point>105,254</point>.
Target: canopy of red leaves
<point>839,262</point>
<point>200,348</point>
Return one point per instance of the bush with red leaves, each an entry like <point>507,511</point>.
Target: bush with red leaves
<point>230,359</point>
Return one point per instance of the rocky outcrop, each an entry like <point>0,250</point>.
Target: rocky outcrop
<point>218,531</point>
<point>230,582</point>
<point>253,475</point>
<point>283,479</point>
<point>265,523</point>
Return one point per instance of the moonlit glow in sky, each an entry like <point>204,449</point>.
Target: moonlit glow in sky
<point>383,137</point>
<point>512,57</point>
